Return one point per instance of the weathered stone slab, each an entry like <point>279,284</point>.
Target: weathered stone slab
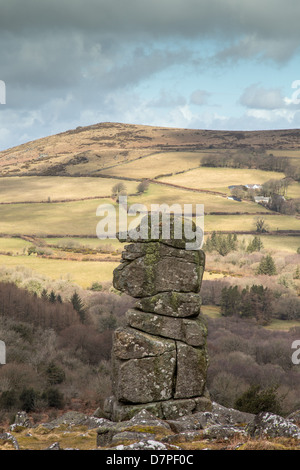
<point>191,331</point>
<point>158,268</point>
<point>204,403</point>
<point>173,409</point>
<point>144,380</point>
<point>117,411</point>
<point>191,371</point>
<point>129,343</point>
<point>173,304</point>
<point>169,410</point>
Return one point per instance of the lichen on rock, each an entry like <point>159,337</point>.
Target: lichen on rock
<point>159,359</point>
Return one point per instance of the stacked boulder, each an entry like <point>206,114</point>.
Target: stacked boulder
<point>159,359</point>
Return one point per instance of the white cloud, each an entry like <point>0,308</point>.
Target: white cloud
<point>199,97</point>
<point>258,97</point>
<point>269,105</point>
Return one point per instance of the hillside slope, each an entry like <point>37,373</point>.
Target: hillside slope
<point>88,150</point>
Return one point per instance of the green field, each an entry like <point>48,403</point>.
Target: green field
<point>79,217</point>
<point>247,222</point>
<point>161,194</point>
<point>219,179</point>
<point>293,191</point>
<point>13,245</point>
<point>94,243</point>
<point>42,219</point>
<point>276,243</point>
<point>57,188</point>
<point>213,311</point>
<point>157,164</point>
<point>83,273</point>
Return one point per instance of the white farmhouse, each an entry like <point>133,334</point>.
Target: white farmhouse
<point>262,199</point>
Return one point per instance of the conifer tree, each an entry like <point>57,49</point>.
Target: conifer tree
<point>44,294</point>
<point>52,297</point>
<point>255,245</point>
<point>78,306</point>
<point>267,266</point>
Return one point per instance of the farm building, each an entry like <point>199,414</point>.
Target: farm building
<point>262,199</point>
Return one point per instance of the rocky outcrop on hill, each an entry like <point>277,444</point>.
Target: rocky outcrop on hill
<point>271,425</point>
<point>221,424</point>
<point>220,428</point>
<point>159,359</point>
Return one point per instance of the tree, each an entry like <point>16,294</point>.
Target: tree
<point>96,286</point>
<point>44,294</point>
<point>222,243</point>
<point>223,247</point>
<point>28,399</point>
<point>276,203</point>
<point>52,297</point>
<point>297,273</point>
<point>230,301</point>
<point>55,374</point>
<point>31,249</point>
<point>257,302</point>
<point>108,322</point>
<point>78,306</point>
<point>238,192</point>
<point>261,225</point>
<point>271,187</point>
<point>55,399</point>
<point>267,266</point>
<point>8,399</point>
<point>255,400</point>
<point>118,188</point>
<point>255,245</point>
<point>143,186</point>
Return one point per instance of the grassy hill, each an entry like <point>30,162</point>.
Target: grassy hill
<point>90,150</point>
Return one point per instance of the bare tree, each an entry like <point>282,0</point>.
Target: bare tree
<point>118,188</point>
<point>261,225</point>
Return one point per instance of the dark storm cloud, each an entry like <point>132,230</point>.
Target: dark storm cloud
<point>74,62</point>
<point>268,19</point>
<point>58,43</point>
<point>61,43</point>
<point>35,70</point>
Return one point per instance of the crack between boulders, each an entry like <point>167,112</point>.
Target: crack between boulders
<point>175,372</point>
<point>156,335</point>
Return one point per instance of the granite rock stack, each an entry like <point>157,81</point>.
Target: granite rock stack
<point>159,359</point>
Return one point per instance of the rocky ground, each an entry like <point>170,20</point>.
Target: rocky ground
<point>220,429</point>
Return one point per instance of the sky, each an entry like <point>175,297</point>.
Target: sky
<point>201,64</point>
